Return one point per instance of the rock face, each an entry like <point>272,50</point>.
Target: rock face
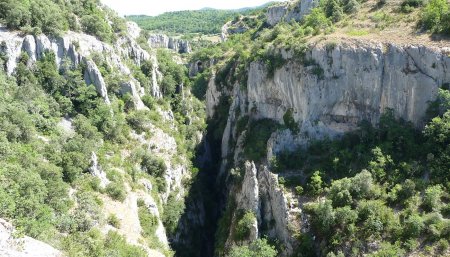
<point>131,87</point>
<point>212,98</point>
<point>78,49</point>
<point>163,41</point>
<point>233,27</point>
<point>93,76</point>
<point>97,171</point>
<point>348,84</point>
<point>288,11</point>
<point>22,247</point>
<point>340,85</point>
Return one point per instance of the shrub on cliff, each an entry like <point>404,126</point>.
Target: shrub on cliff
<point>148,221</point>
<point>116,191</point>
<point>259,132</point>
<point>436,16</point>
<point>244,226</point>
<point>258,248</point>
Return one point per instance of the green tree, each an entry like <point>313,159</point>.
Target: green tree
<point>244,226</point>
<point>315,184</point>
<point>259,248</point>
<point>436,16</point>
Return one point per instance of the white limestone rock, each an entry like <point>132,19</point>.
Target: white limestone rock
<point>163,41</point>
<point>78,48</point>
<point>288,11</point>
<point>10,246</point>
<point>359,82</point>
<point>132,87</point>
<point>92,75</point>
<point>96,170</point>
<point>329,95</point>
<point>212,97</point>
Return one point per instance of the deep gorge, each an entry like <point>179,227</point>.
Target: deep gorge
<point>310,129</point>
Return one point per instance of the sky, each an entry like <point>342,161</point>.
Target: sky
<point>155,7</point>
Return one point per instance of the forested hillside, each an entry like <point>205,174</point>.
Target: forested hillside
<point>56,17</point>
<point>96,137</point>
<point>206,21</point>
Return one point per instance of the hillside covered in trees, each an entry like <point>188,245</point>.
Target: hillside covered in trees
<point>205,21</point>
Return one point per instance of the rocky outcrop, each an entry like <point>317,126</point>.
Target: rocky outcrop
<point>92,75</point>
<point>96,170</point>
<point>163,41</point>
<point>260,193</point>
<point>212,98</point>
<point>343,86</point>
<point>156,78</point>
<point>334,88</point>
<point>233,27</point>
<point>78,48</point>
<point>248,196</point>
<point>12,246</point>
<point>274,210</point>
<point>288,11</point>
<point>131,87</point>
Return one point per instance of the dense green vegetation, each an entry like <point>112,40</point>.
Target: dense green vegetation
<point>436,16</point>
<point>387,184</point>
<point>205,21</point>
<point>55,17</point>
<point>244,225</point>
<point>258,248</point>
<point>256,138</point>
<point>381,190</point>
<point>42,160</point>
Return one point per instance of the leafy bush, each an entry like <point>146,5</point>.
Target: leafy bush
<point>317,20</point>
<point>148,221</point>
<point>113,221</point>
<point>436,16</point>
<point>290,122</point>
<point>200,85</point>
<point>94,244</point>
<point>149,101</point>
<point>242,124</point>
<point>408,5</point>
<point>315,184</point>
<point>153,165</point>
<point>258,134</point>
<point>258,248</point>
<point>244,226</point>
<point>273,61</point>
<point>174,74</point>
<point>432,198</point>
<point>116,245</point>
<point>116,191</point>
<point>55,17</point>
<point>172,213</point>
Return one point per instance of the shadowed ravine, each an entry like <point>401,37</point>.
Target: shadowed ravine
<point>198,224</point>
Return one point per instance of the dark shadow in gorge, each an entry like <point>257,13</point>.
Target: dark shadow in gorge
<point>195,236</point>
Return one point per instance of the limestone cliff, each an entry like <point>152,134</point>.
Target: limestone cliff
<point>288,11</point>
<point>163,41</point>
<point>79,48</point>
<point>13,246</point>
<point>338,86</point>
